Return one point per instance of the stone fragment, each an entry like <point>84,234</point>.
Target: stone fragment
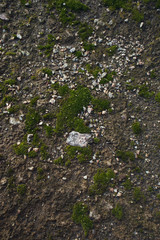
<point>14,121</point>
<point>78,139</point>
<point>3,16</point>
<point>29,138</point>
<point>85,177</point>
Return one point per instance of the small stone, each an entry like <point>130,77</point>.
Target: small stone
<point>141,24</point>
<point>72,50</point>
<point>64,178</point>
<point>85,177</point>
<point>35,149</point>
<point>29,138</point>
<point>110,95</point>
<point>31,168</point>
<point>119,194</point>
<point>14,121</point>
<point>78,139</point>
<point>19,36</point>
<point>3,181</point>
<point>3,16</point>
<point>52,100</point>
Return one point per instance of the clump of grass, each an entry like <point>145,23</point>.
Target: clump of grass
<point>7,99</point>
<point>32,119</point>
<point>117,211</point>
<point>11,183</point>
<point>101,181</point>
<point>33,101</point>
<point>100,104</point>
<point>21,189</point>
<point>10,53</point>
<point>80,216</point>
<point>49,116</point>
<point>157,97</point>
<point>136,127</point>
<point>138,194</point>
<point>85,31</point>
<point>108,78</point>
<point>111,50</point>
<point>71,107</point>
<point>125,155</point>
<point>32,154</point>
<point>153,74</point>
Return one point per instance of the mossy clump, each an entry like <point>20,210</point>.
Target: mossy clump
<point>7,99</point>
<point>49,131</point>
<point>80,216</point>
<point>78,54</point>
<point>115,4</point>
<point>82,154</point>
<point>47,71</point>
<point>79,126</point>
<point>100,104</point>
<point>157,97</point>
<point>85,31</point>
<point>101,181</point>
<point>62,89</point>
<point>111,50</point>
<point>88,46</point>
<point>44,151</point>
<point>136,127</point>
<point>108,78</point>
<point>49,116</point>
<point>32,119</point>
<point>21,189</point>
<point>137,15</point>
<point>48,47</point>
<point>94,70</point>
<point>71,107</point>
<point>117,211</point>
<point>21,149</point>
<point>127,184</point>
<point>144,92</point>
<point>40,174</point>
<point>59,161</point>
<point>138,194</point>
<point>125,155</point>
<point>33,101</point>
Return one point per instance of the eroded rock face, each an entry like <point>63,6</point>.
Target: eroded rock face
<point>78,139</point>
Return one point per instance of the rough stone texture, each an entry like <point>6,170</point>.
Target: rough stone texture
<point>78,139</point>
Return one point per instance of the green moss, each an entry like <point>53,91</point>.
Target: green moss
<point>11,183</point>
<point>21,189</point>
<point>47,71</point>
<point>157,97</point>
<point>82,154</point>
<point>80,216</point>
<point>88,46</point>
<point>115,4</point>
<point>101,181</point>
<point>49,116</point>
<point>93,70</point>
<point>34,100</point>
<point>117,211</point>
<point>14,109</point>
<point>111,50</point>
<point>158,196</point>
<point>49,130</point>
<point>138,194</point>
<point>153,74</point>
<point>32,154</point>
<point>43,151</point>
<point>127,184</point>
<point>7,99</point>
<point>80,126</point>
<point>137,15</point>
<point>21,149</point>
<point>78,54</point>
<point>96,140</point>
<point>10,53</point>
<point>32,119</point>
<point>59,161</point>
<point>48,47</point>
<point>71,107</point>
<point>125,155</point>
<point>100,104</point>
<point>40,174</point>
<point>136,127</point>
<point>144,92</point>
<point>85,31</point>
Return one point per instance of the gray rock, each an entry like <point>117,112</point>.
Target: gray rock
<point>78,139</point>
<point>29,138</point>
<point>3,16</point>
<point>14,121</point>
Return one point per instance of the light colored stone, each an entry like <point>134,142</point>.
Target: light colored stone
<point>14,121</point>
<point>78,139</point>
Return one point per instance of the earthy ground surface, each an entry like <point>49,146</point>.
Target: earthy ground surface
<point>38,51</point>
